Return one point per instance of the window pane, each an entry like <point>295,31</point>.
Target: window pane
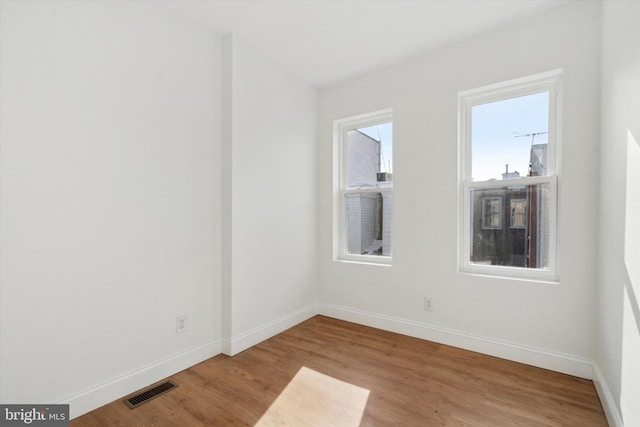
<point>368,220</point>
<point>510,137</point>
<point>369,156</point>
<point>520,239</point>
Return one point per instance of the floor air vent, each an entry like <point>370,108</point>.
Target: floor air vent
<point>149,393</point>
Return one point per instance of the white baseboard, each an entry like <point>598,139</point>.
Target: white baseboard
<point>614,418</point>
<point>558,362</point>
<point>90,399</point>
<point>95,397</point>
<point>256,335</point>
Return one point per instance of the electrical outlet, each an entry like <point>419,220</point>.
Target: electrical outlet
<point>428,304</point>
<point>181,324</point>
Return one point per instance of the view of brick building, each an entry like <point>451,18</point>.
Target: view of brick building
<point>509,223</point>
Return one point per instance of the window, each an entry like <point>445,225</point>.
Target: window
<point>491,212</point>
<point>365,185</point>
<point>508,163</point>
<point>518,213</point>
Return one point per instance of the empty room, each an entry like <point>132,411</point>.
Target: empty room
<point>323,213</point>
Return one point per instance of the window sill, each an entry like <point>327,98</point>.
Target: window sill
<point>511,277</point>
<point>375,261</point>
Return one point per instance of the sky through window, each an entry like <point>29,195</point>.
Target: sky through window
<point>498,130</point>
<point>383,132</point>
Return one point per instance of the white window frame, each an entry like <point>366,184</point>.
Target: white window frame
<point>545,82</point>
<point>340,128</point>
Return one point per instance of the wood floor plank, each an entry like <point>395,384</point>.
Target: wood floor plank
<point>411,382</point>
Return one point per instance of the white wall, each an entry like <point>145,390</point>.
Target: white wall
<point>148,171</point>
<point>110,198</point>
<point>618,345</point>
<point>270,148</point>
<point>544,324</point>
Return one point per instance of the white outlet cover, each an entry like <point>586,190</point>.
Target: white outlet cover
<point>181,324</point>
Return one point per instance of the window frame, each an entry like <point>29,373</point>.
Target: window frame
<point>544,82</point>
<point>341,190</point>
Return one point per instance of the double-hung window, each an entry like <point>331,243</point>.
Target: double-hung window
<point>365,187</point>
<point>508,183</point>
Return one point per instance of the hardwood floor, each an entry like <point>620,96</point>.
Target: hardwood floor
<point>410,382</point>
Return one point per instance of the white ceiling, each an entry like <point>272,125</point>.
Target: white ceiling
<point>324,41</point>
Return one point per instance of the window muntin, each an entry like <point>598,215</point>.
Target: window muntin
<point>508,146</point>
<point>364,207</point>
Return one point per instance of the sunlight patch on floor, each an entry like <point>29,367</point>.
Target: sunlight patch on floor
<point>315,399</point>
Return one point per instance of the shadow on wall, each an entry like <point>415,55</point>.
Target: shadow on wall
<point>630,381</point>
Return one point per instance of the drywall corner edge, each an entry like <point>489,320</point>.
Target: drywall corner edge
<point>256,335</point>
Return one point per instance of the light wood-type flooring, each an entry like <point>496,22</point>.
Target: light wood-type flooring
<point>329,372</point>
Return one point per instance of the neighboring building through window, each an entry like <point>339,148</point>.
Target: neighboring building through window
<point>365,202</point>
<point>508,178</point>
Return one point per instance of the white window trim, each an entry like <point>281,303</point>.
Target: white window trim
<point>340,128</point>
<point>551,82</point>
